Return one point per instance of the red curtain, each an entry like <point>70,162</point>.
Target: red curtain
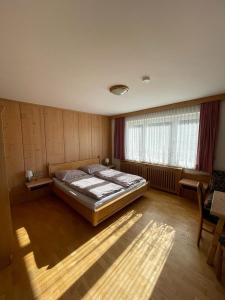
<point>119,138</point>
<point>208,128</point>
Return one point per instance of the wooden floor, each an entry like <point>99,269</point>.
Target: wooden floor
<point>146,251</point>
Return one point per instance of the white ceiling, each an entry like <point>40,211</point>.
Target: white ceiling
<point>67,53</point>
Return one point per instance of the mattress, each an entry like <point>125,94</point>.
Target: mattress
<point>90,202</point>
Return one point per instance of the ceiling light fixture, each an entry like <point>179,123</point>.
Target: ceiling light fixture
<point>119,89</point>
<point>146,79</point>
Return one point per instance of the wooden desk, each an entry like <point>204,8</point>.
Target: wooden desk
<point>192,184</point>
<point>217,209</point>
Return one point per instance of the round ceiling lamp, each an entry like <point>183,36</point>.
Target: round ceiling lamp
<point>119,89</point>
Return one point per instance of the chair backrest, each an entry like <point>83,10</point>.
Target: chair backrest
<point>218,181</point>
<point>200,198</point>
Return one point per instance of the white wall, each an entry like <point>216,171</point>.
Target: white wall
<point>219,163</point>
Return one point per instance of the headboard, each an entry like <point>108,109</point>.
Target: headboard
<point>52,168</point>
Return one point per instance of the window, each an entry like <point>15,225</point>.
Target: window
<point>169,137</point>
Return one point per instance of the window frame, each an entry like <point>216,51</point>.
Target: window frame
<point>146,122</point>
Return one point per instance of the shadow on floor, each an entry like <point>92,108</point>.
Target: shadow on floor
<point>14,279</point>
<point>53,230</point>
<point>59,250</point>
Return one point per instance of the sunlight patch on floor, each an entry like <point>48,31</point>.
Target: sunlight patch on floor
<point>59,256</point>
<point>138,268</point>
<point>52,283</point>
<point>22,237</point>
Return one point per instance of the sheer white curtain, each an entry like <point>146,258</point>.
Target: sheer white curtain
<point>169,137</point>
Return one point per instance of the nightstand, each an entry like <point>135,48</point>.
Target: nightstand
<point>111,166</point>
<point>38,183</point>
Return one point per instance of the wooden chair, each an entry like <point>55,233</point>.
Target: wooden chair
<point>217,184</point>
<point>221,257</point>
<point>204,214</point>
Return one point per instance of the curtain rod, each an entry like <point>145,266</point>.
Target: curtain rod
<point>172,105</point>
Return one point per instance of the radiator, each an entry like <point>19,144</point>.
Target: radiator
<point>159,177</point>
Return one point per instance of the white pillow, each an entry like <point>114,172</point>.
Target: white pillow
<point>67,175</point>
<point>91,169</point>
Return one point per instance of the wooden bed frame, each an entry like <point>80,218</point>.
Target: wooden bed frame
<point>105,211</point>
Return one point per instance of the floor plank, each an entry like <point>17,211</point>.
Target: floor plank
<point>146,251</point>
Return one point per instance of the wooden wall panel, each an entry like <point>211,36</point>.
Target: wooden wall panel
<point>13,143</point>
<point>36,135</point>
<point>71,135</point>
<point>85,136</point>
<point>96,135</point>
<point>54,135</point>
<point>106,138</point>
<point>32,118</point>
<point>6,236</point>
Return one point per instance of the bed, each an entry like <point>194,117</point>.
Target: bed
<point>93,211</point>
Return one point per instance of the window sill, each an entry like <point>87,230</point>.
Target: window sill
<point>185,170</point>
<point>186,173</point>
<point>151,164</point>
